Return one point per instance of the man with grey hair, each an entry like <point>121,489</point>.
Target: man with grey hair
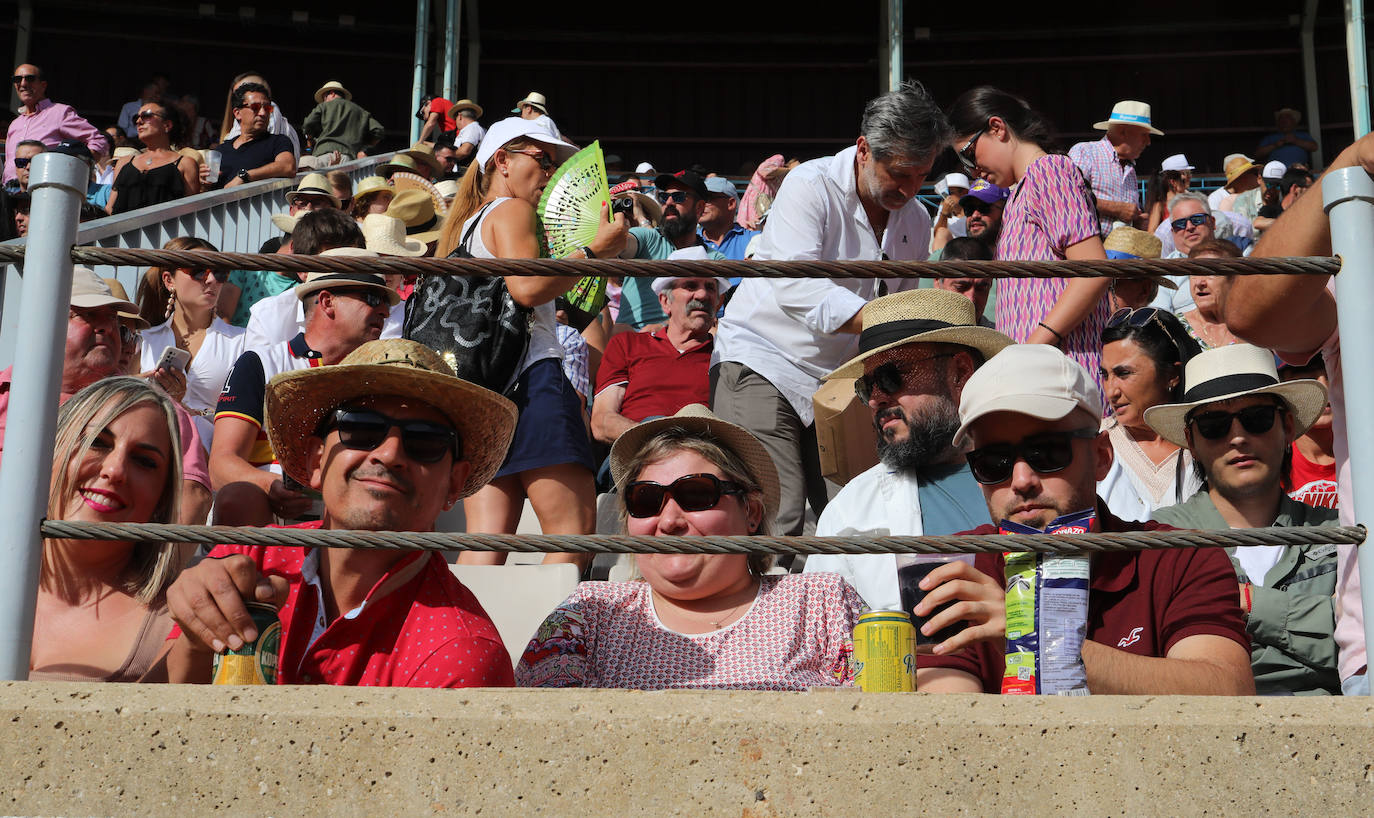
<point>1109,163</point>
<point>778,337</point>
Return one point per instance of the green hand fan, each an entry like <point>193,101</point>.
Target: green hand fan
<point>569,215</point>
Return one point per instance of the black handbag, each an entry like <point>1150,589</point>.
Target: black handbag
<point>471,321</point>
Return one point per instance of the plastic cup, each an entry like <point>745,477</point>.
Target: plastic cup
<point>212,160</point>
<point>911,569</point>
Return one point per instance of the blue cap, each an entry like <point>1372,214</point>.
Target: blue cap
<point>721,186</point>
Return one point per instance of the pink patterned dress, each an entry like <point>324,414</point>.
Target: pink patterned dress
<point>797,634</point>
<point>1050,209</point>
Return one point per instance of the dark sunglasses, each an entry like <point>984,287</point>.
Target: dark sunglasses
<point>545,163</point>
<point>368,296</point>
<point>22,161</point>
<point>258,107</point>
<point>128,335</point>
<point>674,196</point>
<point>1197,220</point>
<point>1045,453</point>
<point>693,492</point>
<point>145,115</point>
<point>1254,419</point>
<point>968,154</point>
<point>198,276</point>
<point>1139,318</point>
<point>19,79</point>
<point>980,207</point>
<point>424,441</point>
<point>888,377</point>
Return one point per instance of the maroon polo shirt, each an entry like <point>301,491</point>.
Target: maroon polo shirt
<point>658,379</point>
<point>1141,602</point>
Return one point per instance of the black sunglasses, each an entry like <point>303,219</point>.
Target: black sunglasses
<point>1254,419</point>
<point>1197,220</point>
<point>1045,453</point>
<point>980,207</point>
<point>674,196</point>
<point>424,441</point>
<point>888,377</point>
<point>22,161</point>
<point>18,79</point>
<point>693,492</point>
<point>368,296</point>
<point>143,115</point>
<point>198,276</point>
<point>968,154</point>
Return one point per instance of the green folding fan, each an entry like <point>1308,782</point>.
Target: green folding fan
<point>569,215</point>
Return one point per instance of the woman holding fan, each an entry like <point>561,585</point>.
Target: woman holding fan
<point>550,460</point>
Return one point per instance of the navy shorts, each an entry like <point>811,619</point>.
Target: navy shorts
<point>550,430</point>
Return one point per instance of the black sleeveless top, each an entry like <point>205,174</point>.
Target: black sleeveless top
<point>140,189</point>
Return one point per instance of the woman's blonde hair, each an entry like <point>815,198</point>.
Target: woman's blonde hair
<point>472,191</point>
<point>152,566</point>
<point>152,292</point>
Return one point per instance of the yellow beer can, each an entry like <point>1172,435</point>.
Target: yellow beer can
<point>256,662</point>
<point>885,652</point>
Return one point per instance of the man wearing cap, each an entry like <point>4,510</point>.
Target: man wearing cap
<point>42,120</point>
<point>343,311</point>
<point>1109,163</point>
<point>779,337</point>
<point>1288,144</point>
<point>981,207</point>
<point>535,108</point>
<point>716,224</point>
<point>949,221</point>
<point>1239,421</point>
<point>384,458</point>
<point>338,123</point>
<point>1249,202</point>
<point>1159,621</point>
<point>916,352</point>
<point>1282,193</point>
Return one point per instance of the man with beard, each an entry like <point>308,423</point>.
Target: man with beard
<point>916,352</point>
<point>982,207</point>
<point>683,196</point>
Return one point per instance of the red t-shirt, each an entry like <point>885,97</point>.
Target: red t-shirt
<point>418,627</point>
<point>1313,483</point>
<point>658,379</point>
<point>1142,602</point>
<point>440,105</point>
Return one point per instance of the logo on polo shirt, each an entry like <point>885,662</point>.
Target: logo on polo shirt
<point>1132,639</point>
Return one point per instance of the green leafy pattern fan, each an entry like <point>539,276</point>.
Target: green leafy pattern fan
<point>569,215</point>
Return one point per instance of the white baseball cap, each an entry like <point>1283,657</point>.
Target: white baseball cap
<point>697,253</point>
<point>512,128</point>
<point>646,168</point>
<point>1029,379</point>
<point>1274,170</point>
<point>1176,162</point>
<point>956,180</point>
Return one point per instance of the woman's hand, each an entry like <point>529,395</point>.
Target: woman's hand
<point>172,381</point>
<point>978,600</point>
<point>611,235</point>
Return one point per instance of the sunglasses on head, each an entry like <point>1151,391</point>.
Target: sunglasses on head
<point>693,492</point>
<point>198,276</point>
<point>888,377</point>
<point>1256,420</point>
<point>545,163</point>
<point>367,295</point>
<point>258,107</point>
<point>424,441</point>
<point>1045,453</point>
<point>969,153</point>
<point>1197,220</point>
<point>674,196</point>
<point>19,79</point>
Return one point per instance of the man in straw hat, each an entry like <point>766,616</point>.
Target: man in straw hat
<point>916,352</point>
<point>470,132</point>
<point>338,123</point>
<point>1239,421</point>
<point>535,108</point>
<point>1159,621</point>
<point>1109,163</point>
<point>384,459</point>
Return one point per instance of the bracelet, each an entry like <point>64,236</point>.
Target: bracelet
<point>587,252</point>
<point>1052,332</point>
<point>1249,601</point>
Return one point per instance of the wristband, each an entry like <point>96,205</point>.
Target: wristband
<point>1059,338</point>
<point>587,252</point>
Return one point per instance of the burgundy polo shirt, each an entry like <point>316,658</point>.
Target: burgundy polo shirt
<point>1142,602</point>
<point>658,379</point>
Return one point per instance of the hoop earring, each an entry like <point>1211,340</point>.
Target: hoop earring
<point>171,303</point>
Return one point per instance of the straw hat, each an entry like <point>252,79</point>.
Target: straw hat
<point>314,184</point>
<point>534,99</point>
<point>298,401</point>
<point>448,188</point>
<point>1129,112</point>
<point>314,282</point>
<point>370,184</point>
<point>1132,243</point>
<point>117,290</point>
<point>399,162</point>
<point>697,419</point>
<point>920,316</point>
<point>403,180</point>
<point>424,154</point>
<point>333,85</point>
<point>467,103</point>
<point>1237,165</point>
<point>416,209</point>
<point>121,152</point>
<point>1234,371</point>
<point>285,222</point>
<point>387,236</point>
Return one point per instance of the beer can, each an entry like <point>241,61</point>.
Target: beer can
<point>256,662</point>
<point>885,652</point>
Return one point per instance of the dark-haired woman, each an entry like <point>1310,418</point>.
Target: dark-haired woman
<point>1050,216</point>
<point>158,173</point>
<point>1143,353</point>
<point>1162,187</point>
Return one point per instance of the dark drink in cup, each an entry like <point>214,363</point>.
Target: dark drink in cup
<point>910,571</point>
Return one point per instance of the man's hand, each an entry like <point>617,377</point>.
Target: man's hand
<point>1127,212</point>
<point>208,601</point>
<point>286,503</point>
<point>979,600</point>
<point>949,207</point>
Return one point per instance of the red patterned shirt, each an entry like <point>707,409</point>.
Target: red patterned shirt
<point>797,634</point>
<point>1313,483</point>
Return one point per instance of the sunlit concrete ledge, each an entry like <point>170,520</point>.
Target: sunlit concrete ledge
<point>172,750</point>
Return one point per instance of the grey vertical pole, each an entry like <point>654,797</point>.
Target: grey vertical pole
<point>474,50</point>
<point>452,26</point>
<point>1348,195</point>
<point>417,88</point>
<point>1309,76</point>
<point>892,44</point>
<point>58,183</point>
<point>1359,68</point>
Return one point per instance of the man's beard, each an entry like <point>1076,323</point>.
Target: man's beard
<point>682,226</point>
<point>928,438</point>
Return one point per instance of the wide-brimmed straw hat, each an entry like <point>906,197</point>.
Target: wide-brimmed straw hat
<point>467,103</point>
<point>314,184</point>
<point>648,204</point>
<point>1128,242</point>
<point>1237,165</point>
<point>387,236</point>
<point>399,162</point>
<point>1235,371</point>
<point>413,181</point>
<point>298,401</point>
<point>1129,112</point>
<point>285,222</point>
<point>535,100</point>
<point>424,154</point>
<point>920,316</point>
<point>448,188</point>
<point>370,184</point>
<point>332,85</point>
<point>416,209</point>
<point>314,282</point>
<point>695,418</point>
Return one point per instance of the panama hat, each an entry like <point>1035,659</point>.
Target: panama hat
<point>467,103</point>
<point>448,188</point>
<point>333,85</point>
<point>648,204</point>
<point>1129,112</point>
<point>123,151</point>
<point>416,209</point>
<point>314,282</point>
<point>1176,162</point>
<point>535,99</point>
<point>370,184</point>
<point>920,316</point>
<point>1235,371</point>
<point>285,222</point>
<point>424,154</point>
<point>697,419</point>
<point>314,184</point>
<point>399,162</point>
<point>298,401</point>
<point>387,236</point>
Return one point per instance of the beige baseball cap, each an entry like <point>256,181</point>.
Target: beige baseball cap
<point>90,290</point>
<point>1029,379</point>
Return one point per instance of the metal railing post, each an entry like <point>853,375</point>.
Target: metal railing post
<point>1348,195</point>
<point>59,186</point>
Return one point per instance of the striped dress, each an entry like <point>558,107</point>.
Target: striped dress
<point>1050,209</point>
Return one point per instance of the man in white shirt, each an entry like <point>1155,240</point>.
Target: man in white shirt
<point>466,113</point>
<point>780,336</point>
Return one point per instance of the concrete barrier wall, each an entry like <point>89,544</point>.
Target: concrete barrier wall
<point>172,750</point>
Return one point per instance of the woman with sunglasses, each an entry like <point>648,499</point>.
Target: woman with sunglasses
<point>255,153</point>
<point>1049,216</point>
<point>1143,355</point>
<point>550,459</point>
<point>158,173</point>
<point>180,303</point>
<point>697,620</point>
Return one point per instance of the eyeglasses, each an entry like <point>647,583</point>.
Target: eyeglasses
<point>1197,220</point>
<point>198,276</point>
<point>20,79</point>
<point>693,492</point>
<point>128,335</point>
<point>1254,419</point>
<point>258,107</point>
<point>968,155</point>
<point>369,296</point>
<point>364,430</point>
<point>22,161</point>
<point>888,377</point>
<point>142,116</point>
<point>1045,453</point>
<point>980,207</point>
<point>545,163</point>
<point>674,196</point>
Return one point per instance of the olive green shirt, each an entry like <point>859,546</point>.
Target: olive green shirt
<point>341,125</point>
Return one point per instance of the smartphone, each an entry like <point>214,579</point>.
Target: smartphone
<point>173,358</point>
